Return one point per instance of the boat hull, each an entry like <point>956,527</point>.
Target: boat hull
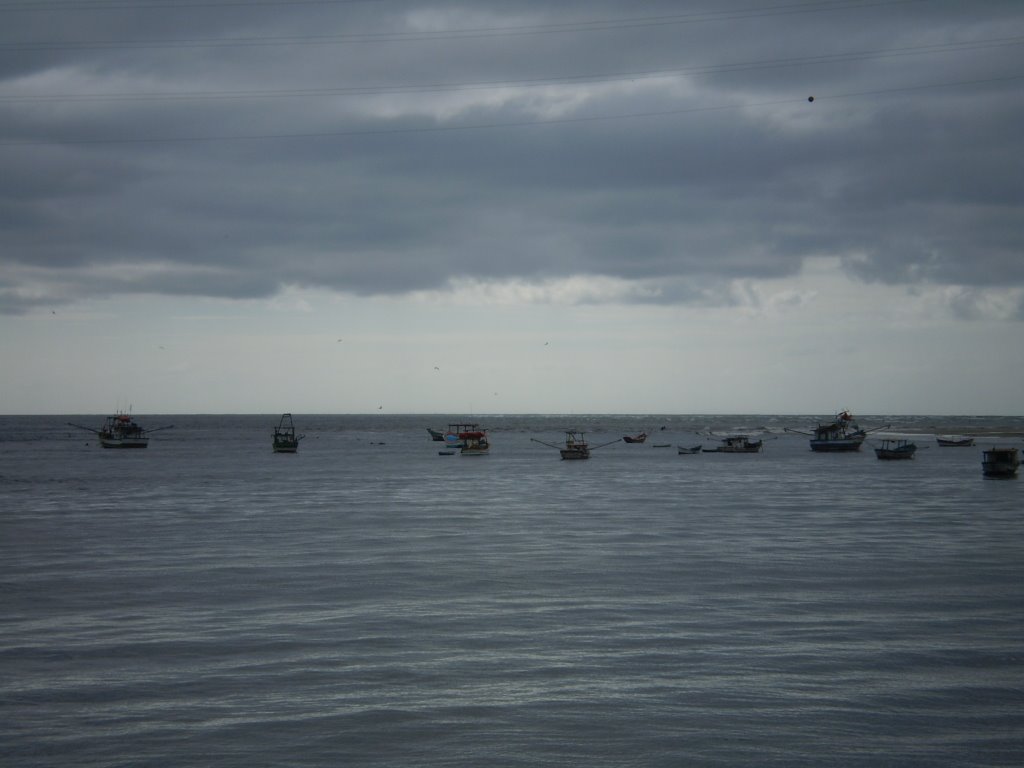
<point>574,454</point>
<point>286,447</point>
<point>837,446</point>
<point>124,442</point>
<point>893,455</point>
<point>946,442</point>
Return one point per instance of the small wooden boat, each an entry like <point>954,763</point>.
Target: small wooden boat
<point>737,444</point>
<point>662,445</point>
<point>1000,462</point>
<point>896,449</point>
<point>954,441</point>
<point>689,451</point>
<point>285,439</point>
<point>436,435</point>
<point>446,453</point>
<point>635,438</point>
<point>576,447</point>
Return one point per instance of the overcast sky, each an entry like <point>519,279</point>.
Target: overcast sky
<point>512,206</point>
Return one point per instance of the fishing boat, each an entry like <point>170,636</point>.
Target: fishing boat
<point>121,431</point>
<point>436,435</point>
<point>451,435</point>
<point>474,442</point>
<point>896,449</point>
<point>841,434</point>
<point>576,446</point>
<point>285,439</point>
<point>635,438</point>
<point>1000,462</point>
<point>737,444</point>
<point>954,441</point>
<point>689,451</point>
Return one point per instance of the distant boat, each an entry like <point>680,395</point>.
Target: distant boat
<point>662,445</point>
<point>896,449</point>
<point>474,442</point>
<point>737,444</point>
<point>576,446</point>
<point>689,451</point>
<point>436,435</point>
<point>451,435</point>
<point>840,435</point>
<point>953,441</point>
<point>285,439</point>
<point>121,431</point>
<point>446,453</point>
<point>635,438</point>
<point>1000,462</point>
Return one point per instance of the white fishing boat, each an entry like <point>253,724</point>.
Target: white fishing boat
<point>576,447</point>
<point>737,444</point>
<point>842,434</point>
<point>121,431</point>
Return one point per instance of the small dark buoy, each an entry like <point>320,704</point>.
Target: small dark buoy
<point>810,98</point>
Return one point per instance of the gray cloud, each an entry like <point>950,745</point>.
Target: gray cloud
<point>906,165</point>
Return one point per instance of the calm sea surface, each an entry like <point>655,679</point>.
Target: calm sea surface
<point>369,602</point>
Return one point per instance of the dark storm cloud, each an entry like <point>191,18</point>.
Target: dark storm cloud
<point>906,165</point>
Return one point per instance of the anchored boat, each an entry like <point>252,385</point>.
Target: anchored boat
<point>474,442</point>
<point>842,434</point>
<point>468,438</point>
<point>576,446</point>
<point>285,439</point>
<point>635,438</point>
<point>121,431</point>
<point>896,449</point>
<point>954,441</point>
<point>1000,462</point>
<point>737,444</point>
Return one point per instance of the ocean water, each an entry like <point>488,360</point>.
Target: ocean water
<point>369,602</point>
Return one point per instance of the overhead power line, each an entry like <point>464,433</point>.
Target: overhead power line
<point>139,5</point>
<point>587,79</point>
<point>814,98</point>
<point>460,34</point>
